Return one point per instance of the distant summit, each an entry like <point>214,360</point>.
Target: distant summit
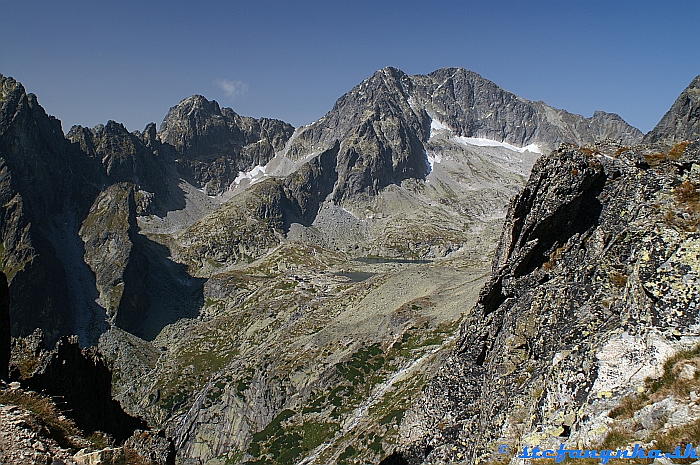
<point>214,144</point>
<point>384,121</point>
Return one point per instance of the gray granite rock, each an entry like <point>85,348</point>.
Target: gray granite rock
<point>594,252</point>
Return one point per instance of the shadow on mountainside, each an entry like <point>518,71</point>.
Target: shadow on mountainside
<point>172,292</point>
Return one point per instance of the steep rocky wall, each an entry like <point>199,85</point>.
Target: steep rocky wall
<point>309,186</point>
<point>117,155</point>
<point>682,121</point>
<point>109,233</point>
<point>37,181</point>
<point>594,282</point>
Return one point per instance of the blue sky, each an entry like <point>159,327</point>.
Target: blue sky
<point>89,62</point>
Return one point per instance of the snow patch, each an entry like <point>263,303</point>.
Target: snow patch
<point>438,127</point>
<point>493,143</point>
<point>254,175</point>
<point>432,159</point>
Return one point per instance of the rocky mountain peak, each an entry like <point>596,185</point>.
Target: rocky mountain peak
<point>118,155</point>
<point>385,122</point>
<point>214,144</point>
<point>9,86</point>
<point>682,121</point>
<point>195,107</point>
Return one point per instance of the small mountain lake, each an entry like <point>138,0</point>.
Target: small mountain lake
<point>355,276</point>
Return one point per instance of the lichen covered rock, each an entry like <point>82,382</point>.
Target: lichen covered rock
<point>595,284</point>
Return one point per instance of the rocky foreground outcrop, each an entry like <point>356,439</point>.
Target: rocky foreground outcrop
<point>34,431</point>
<point>595,284</point>
<point>81,380</point>
<point>60,409</point>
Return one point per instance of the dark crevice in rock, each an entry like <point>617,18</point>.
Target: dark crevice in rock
<point>482,355</point>
<point>492,298</point>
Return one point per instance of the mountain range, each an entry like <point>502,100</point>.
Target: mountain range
<point>267,294</point>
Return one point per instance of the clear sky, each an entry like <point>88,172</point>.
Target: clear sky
<point>96,60</point>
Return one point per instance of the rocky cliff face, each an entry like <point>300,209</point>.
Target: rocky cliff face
<point>215,144</point>
<point>594,286</point>
<point>39,181</point>
<point>586,333</point>
<point>111,250</point>
<point>682,121</point>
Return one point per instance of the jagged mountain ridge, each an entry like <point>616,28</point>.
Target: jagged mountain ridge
<point>469,104</point>
<point>215,144</point>
<point>384,121</point>
<point>51,181</point>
